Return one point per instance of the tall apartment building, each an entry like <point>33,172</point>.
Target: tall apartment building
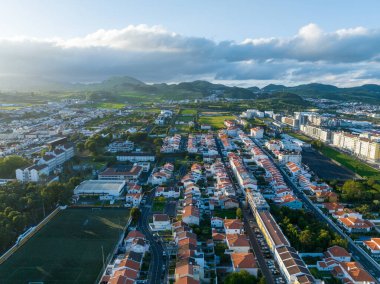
<point>316,132</point>
<point>293,122</point>
<point>364,148</point>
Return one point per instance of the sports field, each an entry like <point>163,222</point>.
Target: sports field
<point>68,249</point>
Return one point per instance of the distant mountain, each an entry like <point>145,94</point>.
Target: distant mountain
<point>118,88</point>
<point>273,88</point>
<point>367,93</point>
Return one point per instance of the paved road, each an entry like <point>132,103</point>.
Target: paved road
<point>252,237</point>
<point>257,250</point>
<point>155,268</point>
<point>357,252</point>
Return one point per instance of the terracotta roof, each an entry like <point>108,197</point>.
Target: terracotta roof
<point>356,223</point>
<point>184,270</point>
<point>357,273</point>
<point>118,280</point>
<point>218,236</point>
<point>135,234</point>
<point>337,251</point>
<point>373,244</point>
<point>187,280</point>
<point>237,240</point>
<point>233,224</point>
<point>160,217</point>
<point>190,211</point>
<point>130,264</point>
<point>243,260</point>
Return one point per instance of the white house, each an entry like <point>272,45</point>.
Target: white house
<point>191,215</point>
<point>217,222</point>
<point>238,243</point>
<point>161,222</point>
<point>134,199</point>
<point>233,226</point>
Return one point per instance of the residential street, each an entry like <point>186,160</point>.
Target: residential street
<point>155,268</point>
<point>252,238</point>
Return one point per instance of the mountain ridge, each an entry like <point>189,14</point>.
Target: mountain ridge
<point>201,88</point>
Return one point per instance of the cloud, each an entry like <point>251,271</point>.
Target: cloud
<point>153,54</point>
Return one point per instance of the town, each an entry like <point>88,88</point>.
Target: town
<point>193,194</point>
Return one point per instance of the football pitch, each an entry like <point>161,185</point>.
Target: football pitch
<point>68,249</point>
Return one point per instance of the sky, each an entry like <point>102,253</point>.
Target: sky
<point>241,43</point>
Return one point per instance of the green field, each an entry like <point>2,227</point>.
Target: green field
<point>189,112</point>
<point>183,128</point>
<point>68,249</point>
<point>215,121</point>
<point>351,163</point>
<point>185,118</point>
<point>301,137</point>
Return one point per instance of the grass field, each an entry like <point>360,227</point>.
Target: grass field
<point>189,112</point>
<point>226,213</point>
<point>185,118</point>
<point>351,163</point>
<point>182,128</point>
<point>68,249</point>
<point>301,137</point>
<point>215,121</point>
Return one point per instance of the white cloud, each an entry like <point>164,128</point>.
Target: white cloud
<point>154,54</point>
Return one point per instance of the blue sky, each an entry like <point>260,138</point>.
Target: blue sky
<point>236,42</point>
<point>215,19</point>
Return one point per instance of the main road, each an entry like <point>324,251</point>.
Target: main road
<point>252,237</point>
<point>156,264</point>
<point>357,252</point>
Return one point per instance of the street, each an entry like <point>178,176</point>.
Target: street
<point>155,268</point>
<point>252,237</point>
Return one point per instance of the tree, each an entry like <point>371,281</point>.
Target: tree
<point>306,239</point>
<point>10,164</point>
<point>241,277</point>
<point>262,280</point>
<point>239,213</point>
<point>74,181</point>
<point>80,146</point>
<point>354,191</point>
<point>91,146</point>
<point>157,142</point>
<point>135,214</point>
<point>323,238</point>
<point>371,182</point>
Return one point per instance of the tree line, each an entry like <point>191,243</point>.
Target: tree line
<point>25,205</point>
<point>10,164</point>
